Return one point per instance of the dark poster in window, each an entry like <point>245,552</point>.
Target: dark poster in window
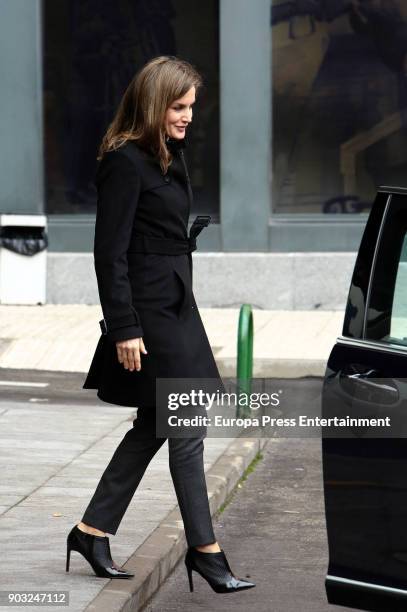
<point>339,103</point>
<point>92,50</point>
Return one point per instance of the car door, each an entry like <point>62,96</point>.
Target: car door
<point>365,477</point>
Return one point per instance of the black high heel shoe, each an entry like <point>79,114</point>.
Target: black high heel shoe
<point>214,567</point>
<point>96,550</point>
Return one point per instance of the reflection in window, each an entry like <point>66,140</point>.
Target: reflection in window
<point>339,103</point>
<point>92,50</point>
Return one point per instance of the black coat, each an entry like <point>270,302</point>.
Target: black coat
<point>146,294</point>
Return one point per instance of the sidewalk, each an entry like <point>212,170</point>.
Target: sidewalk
<point>287,344</point>
<point>52,455</point>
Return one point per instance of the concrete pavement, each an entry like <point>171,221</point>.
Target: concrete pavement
<point>51,458</point>
<point>287,344</point>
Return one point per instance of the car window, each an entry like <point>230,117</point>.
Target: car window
<point>398,321</point>
<point>386,316</point>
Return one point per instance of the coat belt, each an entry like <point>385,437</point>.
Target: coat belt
<point>171,246</point>
<point>141,243</point>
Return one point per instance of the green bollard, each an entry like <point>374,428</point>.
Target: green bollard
<point>244,356</point>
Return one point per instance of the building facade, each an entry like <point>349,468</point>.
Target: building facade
<point>301,118</point>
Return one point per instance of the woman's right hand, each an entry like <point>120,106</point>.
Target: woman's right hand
<point>128,353</point>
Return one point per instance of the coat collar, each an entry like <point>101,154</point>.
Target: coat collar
<point>175,144</point>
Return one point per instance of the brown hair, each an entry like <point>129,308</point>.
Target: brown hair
<point>141,112</point>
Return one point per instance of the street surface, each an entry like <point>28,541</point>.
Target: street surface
<point>273,533</point>
<point>272,529</point>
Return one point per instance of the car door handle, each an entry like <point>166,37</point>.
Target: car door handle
<point>364,379</point>
<point>368,374</point>
<point>367,386</point>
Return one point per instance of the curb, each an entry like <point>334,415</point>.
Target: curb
<point>155,559</point>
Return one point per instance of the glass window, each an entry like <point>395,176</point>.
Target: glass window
<point>92,50</point>
<point>339,103</point>
<point>398,325</point>
<point>387,307</point>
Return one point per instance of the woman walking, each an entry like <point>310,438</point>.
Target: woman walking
<point>151,327</point>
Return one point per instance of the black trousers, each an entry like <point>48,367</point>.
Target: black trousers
<point>125,470</point>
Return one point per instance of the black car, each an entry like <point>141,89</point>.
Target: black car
<point>365,474</point>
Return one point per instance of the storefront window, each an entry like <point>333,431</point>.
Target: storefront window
<point>339,103</point>
<point>92,50</point>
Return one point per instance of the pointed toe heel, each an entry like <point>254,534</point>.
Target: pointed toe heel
<point>96,550</point>
<point>215,569</point>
